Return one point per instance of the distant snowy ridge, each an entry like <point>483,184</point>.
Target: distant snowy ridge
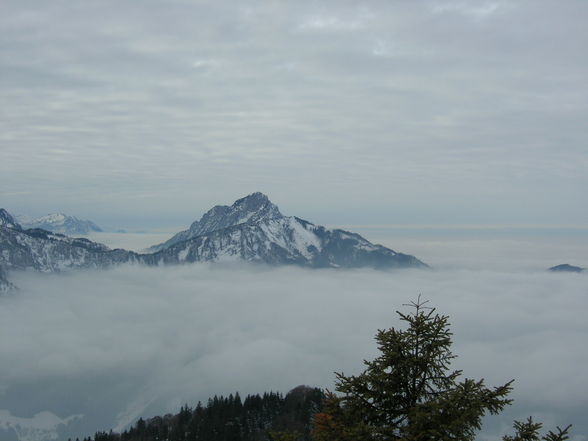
<point>60,223</point>
<point>44,251</point>
<point>254,230</point>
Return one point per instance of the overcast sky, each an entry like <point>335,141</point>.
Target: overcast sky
<point>148,113</point>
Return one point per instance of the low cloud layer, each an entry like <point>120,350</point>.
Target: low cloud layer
<point>139,341</point>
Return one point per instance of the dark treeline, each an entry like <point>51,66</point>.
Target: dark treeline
<point>267,417</point>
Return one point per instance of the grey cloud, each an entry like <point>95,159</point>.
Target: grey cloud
<point>155,103</point>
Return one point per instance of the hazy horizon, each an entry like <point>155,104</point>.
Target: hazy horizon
<point>156,226</point>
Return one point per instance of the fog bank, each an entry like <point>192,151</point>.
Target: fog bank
<point>138,341</point>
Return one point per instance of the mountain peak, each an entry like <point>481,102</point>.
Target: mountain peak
<point>250,209</point>
<point>257,203</point>
<point>256,197</point>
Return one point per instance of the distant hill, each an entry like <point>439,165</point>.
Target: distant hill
<point>564,267</point>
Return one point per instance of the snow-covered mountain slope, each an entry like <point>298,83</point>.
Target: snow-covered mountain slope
<point>277,239</point>
<point>60,223</point>
<point>250,209</point>
<point>47,252</point>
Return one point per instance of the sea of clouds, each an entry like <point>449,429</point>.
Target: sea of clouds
<point>94,350</point>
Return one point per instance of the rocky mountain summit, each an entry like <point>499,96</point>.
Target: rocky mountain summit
<point>60,223</point>
<point>253,229</point>
<point>248,210</point>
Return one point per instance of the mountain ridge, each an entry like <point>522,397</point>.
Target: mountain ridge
<point>252,230</point>
<point>45,251</point>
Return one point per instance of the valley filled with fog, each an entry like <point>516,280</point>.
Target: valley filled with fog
<point>93,350</point>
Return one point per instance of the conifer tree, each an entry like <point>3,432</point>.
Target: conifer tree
<point>410,393</point>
